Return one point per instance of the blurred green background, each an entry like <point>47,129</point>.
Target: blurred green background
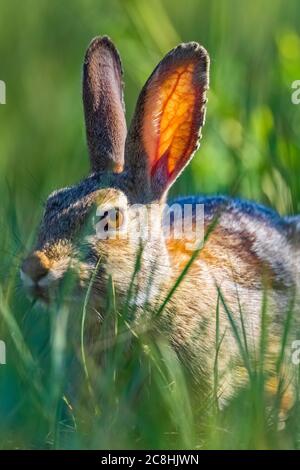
<point>250,144</point>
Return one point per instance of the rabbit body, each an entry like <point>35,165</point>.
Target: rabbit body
<point>249,257</point>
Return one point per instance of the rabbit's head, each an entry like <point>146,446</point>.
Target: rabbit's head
<point>98,226</point>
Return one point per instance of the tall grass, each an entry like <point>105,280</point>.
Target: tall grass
<point>129,389</point>
<point>140,395</point>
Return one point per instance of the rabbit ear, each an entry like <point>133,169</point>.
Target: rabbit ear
<point>104,106</point>
<point>170,111</point>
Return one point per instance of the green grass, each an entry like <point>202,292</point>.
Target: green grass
<point>140,396</point>
<point>131,391</point>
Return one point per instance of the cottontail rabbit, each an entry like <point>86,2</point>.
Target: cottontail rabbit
<point>249,253</point>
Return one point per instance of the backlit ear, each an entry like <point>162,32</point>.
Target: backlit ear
<point>104,106</point>
<point>165,130</point>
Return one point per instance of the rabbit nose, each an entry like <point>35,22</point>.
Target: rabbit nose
<point>35,267</point>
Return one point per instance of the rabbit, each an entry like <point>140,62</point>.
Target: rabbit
<point>248,253</point>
